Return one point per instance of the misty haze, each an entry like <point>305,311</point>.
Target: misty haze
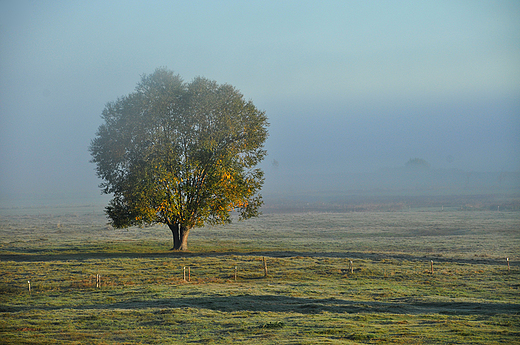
<point>352,91</point>
<point>386,135</point>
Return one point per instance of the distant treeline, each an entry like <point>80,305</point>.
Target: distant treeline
<point>396,181</point>
<point>323,202</point>
<point>395,189</point>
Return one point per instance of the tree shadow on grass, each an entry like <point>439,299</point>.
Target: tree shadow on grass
<point>85,253</point>
<point>279,303</point>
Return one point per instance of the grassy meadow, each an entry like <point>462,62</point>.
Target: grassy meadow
<point>332,278</point>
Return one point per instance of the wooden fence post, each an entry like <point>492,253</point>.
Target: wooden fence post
<point>431,264</point>
<point>508,268</point>
<point>265,266</point>
<point>236,273</point>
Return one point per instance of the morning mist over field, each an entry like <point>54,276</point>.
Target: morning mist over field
<point>352,90</point>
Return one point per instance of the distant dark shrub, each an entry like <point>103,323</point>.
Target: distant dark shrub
<point>417,163</point>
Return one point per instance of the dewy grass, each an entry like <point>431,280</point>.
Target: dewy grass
<point>312,294</point>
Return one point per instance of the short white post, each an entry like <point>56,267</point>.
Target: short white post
<point>431,263</point>
<point>184,273</point>
<point>508,268</point>
<point>29,282</point>
<point>351,267</point>
<point>236,273</point>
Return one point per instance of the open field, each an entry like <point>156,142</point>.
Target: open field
<point>311,295</point>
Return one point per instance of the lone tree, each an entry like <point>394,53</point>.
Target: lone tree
<point>182,154</point>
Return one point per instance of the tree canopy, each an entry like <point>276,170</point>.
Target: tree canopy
<point>182,154</point>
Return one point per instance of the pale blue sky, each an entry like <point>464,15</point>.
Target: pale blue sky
<point>347,85</point>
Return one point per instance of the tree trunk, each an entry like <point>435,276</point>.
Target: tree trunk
<point>183,245</point>
<point>175,233</point>
<point>180,236</point>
